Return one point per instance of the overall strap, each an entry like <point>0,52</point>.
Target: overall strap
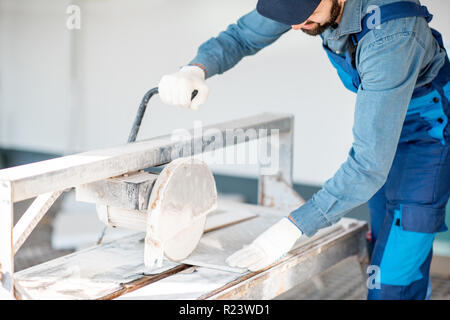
<point>391,11</point>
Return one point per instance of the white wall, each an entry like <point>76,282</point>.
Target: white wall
<point>34,78</point>
<point>66,91</point>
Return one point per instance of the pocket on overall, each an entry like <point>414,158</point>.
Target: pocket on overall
<point>422,219</point>
<point>409,243</point>
<point>414,173</point>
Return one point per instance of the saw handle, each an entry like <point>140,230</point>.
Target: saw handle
<point>141,111</point>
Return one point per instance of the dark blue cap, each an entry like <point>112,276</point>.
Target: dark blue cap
<point>290,12</point>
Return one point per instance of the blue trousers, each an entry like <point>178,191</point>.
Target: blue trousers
<point>408,211</point>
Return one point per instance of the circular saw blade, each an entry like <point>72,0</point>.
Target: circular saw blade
<point>184,193</point>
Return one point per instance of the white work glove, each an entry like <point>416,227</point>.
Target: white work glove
<point>267,248</point>
<point>176,89</point>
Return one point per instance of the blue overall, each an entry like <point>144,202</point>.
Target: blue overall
<point>409,209</point>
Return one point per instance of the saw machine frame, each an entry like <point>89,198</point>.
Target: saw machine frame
<point>47,180</point>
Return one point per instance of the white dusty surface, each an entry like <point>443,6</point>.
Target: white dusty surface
<point>98,271</point>
<point>187,285</point>
<point>90,273</point>
<point>101,270</point>
<point>215,247</point>
<point>76,226</point>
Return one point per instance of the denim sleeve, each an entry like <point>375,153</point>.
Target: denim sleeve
<point>389,68</point>
<point>247,36</point>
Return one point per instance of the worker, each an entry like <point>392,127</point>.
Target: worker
<point>399,161</point>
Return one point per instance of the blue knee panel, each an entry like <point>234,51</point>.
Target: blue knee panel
<point>417,290</point>
<point>404,253</point>
<point>403,256</point>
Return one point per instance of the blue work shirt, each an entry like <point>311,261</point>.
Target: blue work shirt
<point>392,61</point>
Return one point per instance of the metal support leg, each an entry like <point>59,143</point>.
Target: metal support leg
<point>6,240</point>
<point>275,190</point>
<point>363,257</point>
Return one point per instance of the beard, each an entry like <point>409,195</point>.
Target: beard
<point>320,28</point>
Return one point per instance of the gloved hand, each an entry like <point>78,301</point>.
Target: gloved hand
<point>268,247</point>
<point>176,89</point>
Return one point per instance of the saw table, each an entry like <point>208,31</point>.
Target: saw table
<point>116,269</point>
